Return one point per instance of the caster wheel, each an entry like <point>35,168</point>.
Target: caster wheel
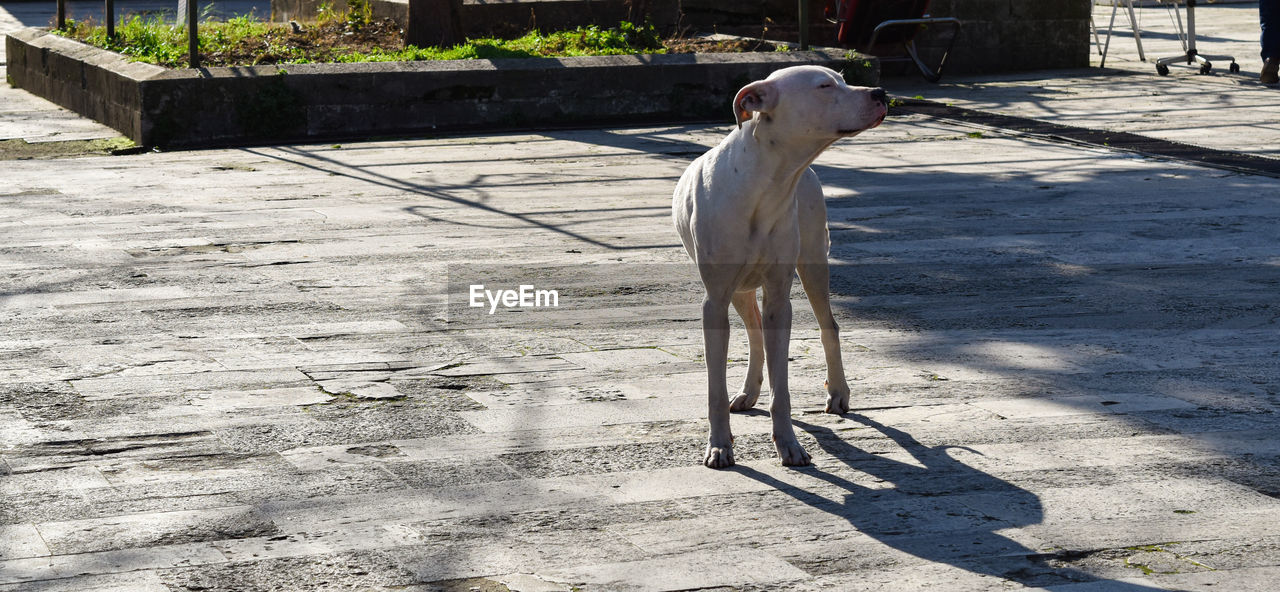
<point>1162,69</point>
<point>1206,68</point>
<point>1235,68</point>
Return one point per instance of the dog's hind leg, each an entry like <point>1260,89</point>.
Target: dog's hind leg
<point>715,336</point>
<point>816,279</point>
<point>749,310</point>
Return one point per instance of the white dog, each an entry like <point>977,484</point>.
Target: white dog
<point>750,213</point>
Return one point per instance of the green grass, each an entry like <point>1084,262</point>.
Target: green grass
<point>149,39</point>
<point>583,41</point>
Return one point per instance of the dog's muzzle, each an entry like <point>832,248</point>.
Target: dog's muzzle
<point>880,99</point>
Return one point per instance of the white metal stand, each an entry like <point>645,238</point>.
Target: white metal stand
<point>1190,56</point>
<point>1133,25</point>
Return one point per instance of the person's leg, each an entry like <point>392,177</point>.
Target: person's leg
<point>1269,17</point>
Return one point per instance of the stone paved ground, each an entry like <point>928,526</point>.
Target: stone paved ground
<point>252,369</point>
<point>31,125</point>
<point>1224,111</point>
<point>27,118</point>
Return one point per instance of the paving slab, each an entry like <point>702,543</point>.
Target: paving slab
<point>684,572</point>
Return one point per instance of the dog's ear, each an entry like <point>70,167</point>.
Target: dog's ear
<point>760,95</point>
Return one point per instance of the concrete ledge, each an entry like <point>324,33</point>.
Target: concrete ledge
<point>156,106</point>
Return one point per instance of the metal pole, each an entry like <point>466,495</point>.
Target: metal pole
<point>193,37</point>
<point>111,19</point>
<point>1191,31</point>
<point>1111,26</point>
<point>804,25</point>
<point>62,14</point>
<point>1137,32</point>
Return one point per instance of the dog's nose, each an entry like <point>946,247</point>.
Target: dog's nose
<point>878,95</point>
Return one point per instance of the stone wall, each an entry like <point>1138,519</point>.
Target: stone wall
<point>1010,35</point>
<point>156,106</point>
<point>998,35</point>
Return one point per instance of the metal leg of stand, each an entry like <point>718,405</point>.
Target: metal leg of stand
<point>1191,31</point>
<point>1137,35</point>
<point>1133,25</point>
<point>1176,16</point>
<point>1111,27</point>
<point>1093,28</point>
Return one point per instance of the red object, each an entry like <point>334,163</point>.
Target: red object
<point>856,19</point>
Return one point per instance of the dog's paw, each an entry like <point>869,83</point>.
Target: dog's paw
<point>744,402</point>
<point>791,453</point>
<point>837,398</point>
<point>718,457</point>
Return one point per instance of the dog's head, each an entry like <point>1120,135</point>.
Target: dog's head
<point>811,101</point>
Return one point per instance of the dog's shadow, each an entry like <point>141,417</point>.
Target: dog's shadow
<point>937,508</point>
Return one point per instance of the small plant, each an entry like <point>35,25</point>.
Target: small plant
<point>150,39</point>
<point>356,14</point>
<point>626,38</point>
<point>640,37</point>
<point>347,35</point>
<point>359,13</point>
<point>325,14</point>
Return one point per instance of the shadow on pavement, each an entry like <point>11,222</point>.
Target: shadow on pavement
<point>449,194</point>
<point>907,516</point>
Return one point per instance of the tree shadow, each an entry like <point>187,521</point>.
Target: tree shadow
<point>938,509</point>
<point>463,194</point>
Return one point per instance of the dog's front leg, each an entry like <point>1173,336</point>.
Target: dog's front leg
<point>816,278</point>
<point>715,339</point>
<point>777,344</point>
